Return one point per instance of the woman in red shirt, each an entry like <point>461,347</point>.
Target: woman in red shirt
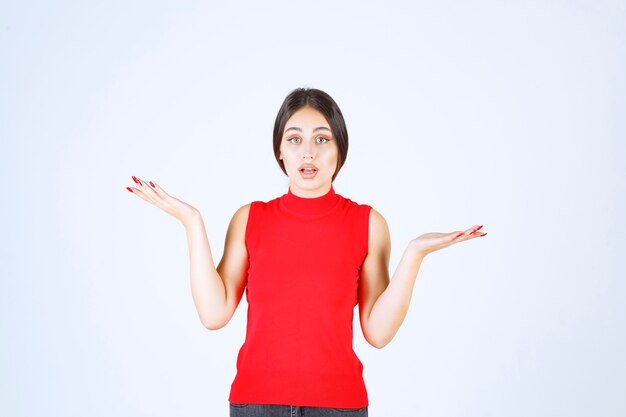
<point>305,259</point>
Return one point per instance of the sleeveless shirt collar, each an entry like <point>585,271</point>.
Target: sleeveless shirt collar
<point>309,207</point>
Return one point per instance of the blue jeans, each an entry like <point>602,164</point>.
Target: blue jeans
<point>274,410</point>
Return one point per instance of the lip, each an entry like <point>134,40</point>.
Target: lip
<point>305,175</point>
<point>307,166</point>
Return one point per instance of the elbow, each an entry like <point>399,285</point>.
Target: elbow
<point>373,336</point>
<point>214,324</point>
<point>214,319</point>
<point>378,343</point>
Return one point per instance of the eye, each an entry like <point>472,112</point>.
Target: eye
<point>324,140</point>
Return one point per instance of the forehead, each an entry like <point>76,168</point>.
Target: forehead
<point>307,118</point>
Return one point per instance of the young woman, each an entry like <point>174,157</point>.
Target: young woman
<point>305,260</point>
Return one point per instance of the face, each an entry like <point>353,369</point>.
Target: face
<point>308,140</point>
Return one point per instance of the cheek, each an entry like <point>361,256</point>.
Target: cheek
<point>287,158</point>
<point>332,154</point>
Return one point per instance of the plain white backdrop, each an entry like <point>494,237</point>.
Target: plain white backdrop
<point>508,114</point>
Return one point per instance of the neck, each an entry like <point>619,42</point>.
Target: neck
<point>303,193</point>
<point>309,207</point>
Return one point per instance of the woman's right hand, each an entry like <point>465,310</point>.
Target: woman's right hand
<point>155,195</point>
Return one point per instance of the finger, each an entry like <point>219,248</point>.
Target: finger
<point>467,233</point>
<point>473,234</point>
<point>475,229</point>
<point>477,234</point>
<point>139,194</point>
<point>157,189</point>
<point>148,190</point>
<point>144,192</point>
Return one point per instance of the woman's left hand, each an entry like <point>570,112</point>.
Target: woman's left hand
<point>430,242</point>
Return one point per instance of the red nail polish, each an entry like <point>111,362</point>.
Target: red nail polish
<point>458,235</point>
<point>129,189</point>
<point>476,230</point>
<point>151,184</point>
<point>135,179</point>
<point>484,234</point>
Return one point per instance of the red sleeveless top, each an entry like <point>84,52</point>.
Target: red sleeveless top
<point>305,255</point>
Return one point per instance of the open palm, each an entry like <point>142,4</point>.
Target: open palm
<point>431,242</point>
<point>155,195</point>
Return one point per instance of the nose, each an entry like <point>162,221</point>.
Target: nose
<point>308,150</point>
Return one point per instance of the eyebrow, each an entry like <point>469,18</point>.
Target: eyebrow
<point>315,130</point>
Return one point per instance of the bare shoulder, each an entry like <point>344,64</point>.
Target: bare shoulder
<point>242,213</point>
<point>376,217</point>
<point>378,228</point>
<point>240,218</point>
<point>236,232</point>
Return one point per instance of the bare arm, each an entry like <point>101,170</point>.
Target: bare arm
<point>217,291</point>
<point>387,302</point>
<point>383,305</point>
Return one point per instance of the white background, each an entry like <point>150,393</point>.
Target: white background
<point>503,113</point>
